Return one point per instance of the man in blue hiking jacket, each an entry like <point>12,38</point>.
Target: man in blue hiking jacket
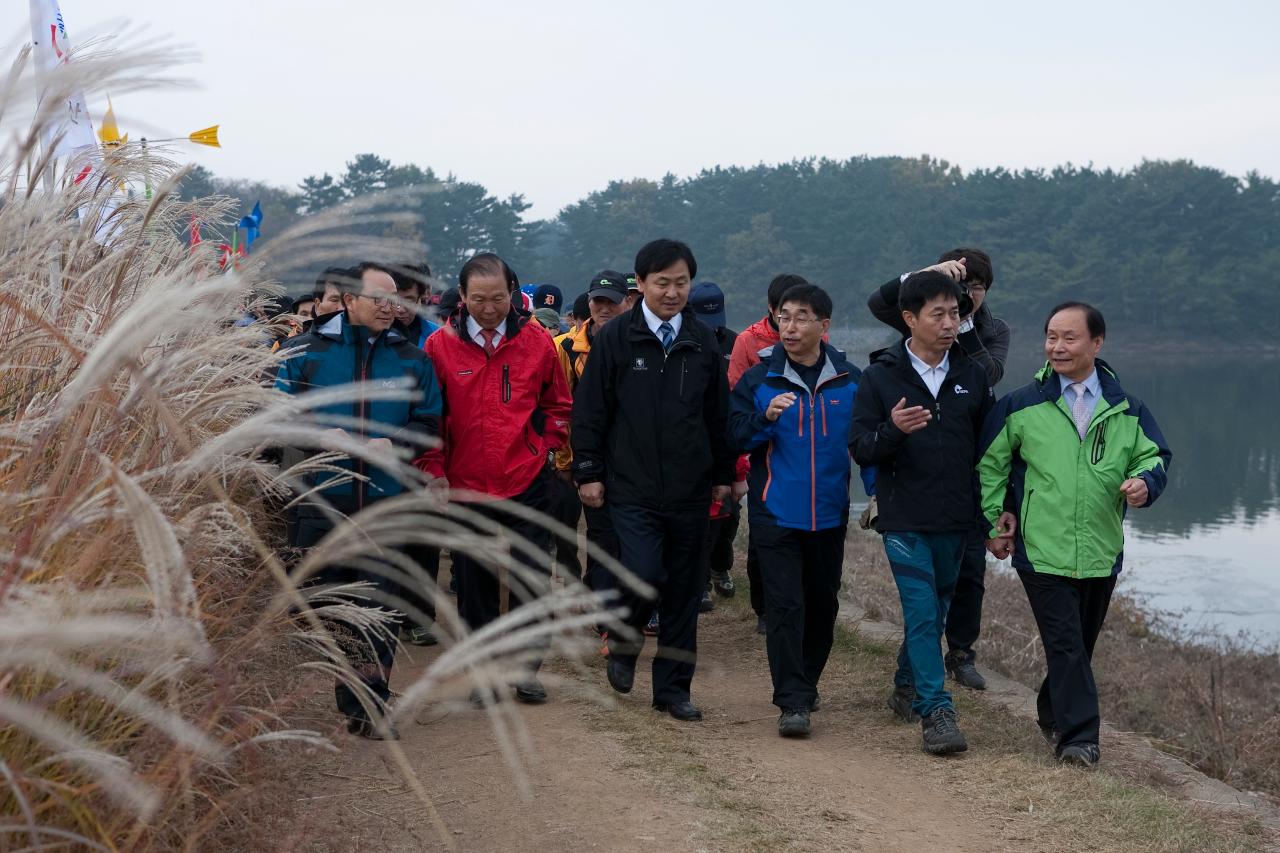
<point>358,344</point>
<point>792,412</point>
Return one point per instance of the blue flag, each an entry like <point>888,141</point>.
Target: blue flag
<point>252,225</point>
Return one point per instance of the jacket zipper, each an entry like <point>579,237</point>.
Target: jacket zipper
<point>506,383</point>
<point>813,471</point>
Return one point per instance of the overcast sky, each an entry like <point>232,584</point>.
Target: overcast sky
<point>554,99</point>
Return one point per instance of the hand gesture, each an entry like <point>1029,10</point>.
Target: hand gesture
<point>910,420</point>
<point>380,445</point>
<point>592,495</point>
<point>778,405</point>
<point>720,493</point>
<point>1135,491</point>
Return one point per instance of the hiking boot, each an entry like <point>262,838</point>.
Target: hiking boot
<point>651,627</point>
<point>794,722</point>
<point>1084,755</point>
<point>941,734</point>
<point>621,677</point>
<point>422,637</point>
<point>761,627</point>
<point>723,585</point>
<point>900,701</point>
<point>684,711</point>
<point>707,604</point>
<point>965,673</point>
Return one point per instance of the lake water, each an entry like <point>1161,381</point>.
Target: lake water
<point>1208,552</point>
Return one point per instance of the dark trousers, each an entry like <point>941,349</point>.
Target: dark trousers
<point>717,548</point>
<point>801,571</point>
<point>1069,614</point>
<point>753,575</point>
<point>566,508</point>
<point>370,656</point>
<point>964,619</point>
<point>600,532</point>
<point>417,592</point>
<point>664,549</point>
<point>479,590</point>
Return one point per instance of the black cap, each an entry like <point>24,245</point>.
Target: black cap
<point>631,282</point>
<point>449,301</point>
<point>609,285</point>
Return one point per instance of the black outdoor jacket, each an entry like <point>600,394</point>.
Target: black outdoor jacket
<point>653,426</point>
<point>987,342</point>
<point>925,481</point>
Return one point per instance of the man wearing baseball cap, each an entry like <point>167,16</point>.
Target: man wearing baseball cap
<point>606,295</point>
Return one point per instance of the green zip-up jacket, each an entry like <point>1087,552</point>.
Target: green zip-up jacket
<point>1065,491</point>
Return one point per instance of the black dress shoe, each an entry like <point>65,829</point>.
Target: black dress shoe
<point>621,676</point>
<point>685,711</point>
<point>365,729</point>
<point>530,691</point>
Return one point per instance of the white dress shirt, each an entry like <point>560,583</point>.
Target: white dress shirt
<point>933,376</point>
<point>1092,391</point>
<point>655,321</point>
<point>474,330</point>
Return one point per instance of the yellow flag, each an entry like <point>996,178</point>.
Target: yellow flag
<point>208,136</point>
<point>109,133</point>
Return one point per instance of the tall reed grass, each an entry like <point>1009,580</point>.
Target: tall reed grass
<point>141,591</point>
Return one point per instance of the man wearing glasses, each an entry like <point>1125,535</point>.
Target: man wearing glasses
<point>792,412</point>
<point>358,343</point>
<point>985,339</point>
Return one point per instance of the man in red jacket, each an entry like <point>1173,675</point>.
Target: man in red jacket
<point>506,408</point>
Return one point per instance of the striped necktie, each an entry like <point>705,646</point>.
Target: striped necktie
<point>1080,412</point>
<point>668,333</point>
<point>490,346</point>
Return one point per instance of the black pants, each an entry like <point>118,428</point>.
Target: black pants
<point>717,548</point>
<point>1069,614</point>
<point>663,548</point>
<point>753,575</point>
<point>964,619</point>
<point>566,509</point>
<point>479,591</point>
<point>801,571</point>
<point>371,657</point>
<point>600,532</point>
<point>414,592</point>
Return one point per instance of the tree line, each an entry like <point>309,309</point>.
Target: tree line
<point>1163,248</point>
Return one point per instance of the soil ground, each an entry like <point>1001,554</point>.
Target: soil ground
<point>606,772</point>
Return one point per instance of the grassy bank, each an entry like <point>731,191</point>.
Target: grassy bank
<point>1214,705</point>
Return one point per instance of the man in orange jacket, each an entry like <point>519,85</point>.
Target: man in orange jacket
<point>506,410</point>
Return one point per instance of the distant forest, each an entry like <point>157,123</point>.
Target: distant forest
<point>1165,247</point>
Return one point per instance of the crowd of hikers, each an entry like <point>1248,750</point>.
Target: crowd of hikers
<point>636,413</point>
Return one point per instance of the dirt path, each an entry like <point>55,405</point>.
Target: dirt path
<point>608,773</point>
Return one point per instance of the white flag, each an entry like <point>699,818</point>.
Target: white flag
<point>51,49</point>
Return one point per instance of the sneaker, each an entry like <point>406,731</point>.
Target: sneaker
<point>794,722</point>
<point>422,637</point>
<point>723,585</point>
<point>941,734</point>
<point>900,702</point>
<point>707,604</point>
<point>964,672</point>
<point>1083,755</point>
<point>651,629</point>
<point>761,627</point>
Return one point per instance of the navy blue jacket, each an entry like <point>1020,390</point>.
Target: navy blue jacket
<point>800,464</point>
<point>338,353</point>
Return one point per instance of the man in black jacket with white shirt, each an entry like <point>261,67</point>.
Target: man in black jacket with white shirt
<point>649,433</point>
<point>985,339</point>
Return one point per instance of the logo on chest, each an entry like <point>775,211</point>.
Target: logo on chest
<point>639,363</point>
<point>961,390</point>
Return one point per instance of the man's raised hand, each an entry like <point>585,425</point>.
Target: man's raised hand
<point>912,419</point>
<point>778,405</point>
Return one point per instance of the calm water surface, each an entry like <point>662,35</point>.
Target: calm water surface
<point>1208,552</point>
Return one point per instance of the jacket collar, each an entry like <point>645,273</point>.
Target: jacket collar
<point>638,328</point>
<point>895,355</point>
<point>337,327</point>
<point>834,364</point>
<point>458,322</point>
<point>1051,388</point>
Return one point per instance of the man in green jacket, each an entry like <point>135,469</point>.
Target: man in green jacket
<point>1062,458</point>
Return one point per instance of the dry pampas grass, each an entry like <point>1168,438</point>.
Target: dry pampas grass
<point>139,576</point>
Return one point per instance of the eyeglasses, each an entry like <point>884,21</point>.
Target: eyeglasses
<point>801,320</point>
<point>378,301</point>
